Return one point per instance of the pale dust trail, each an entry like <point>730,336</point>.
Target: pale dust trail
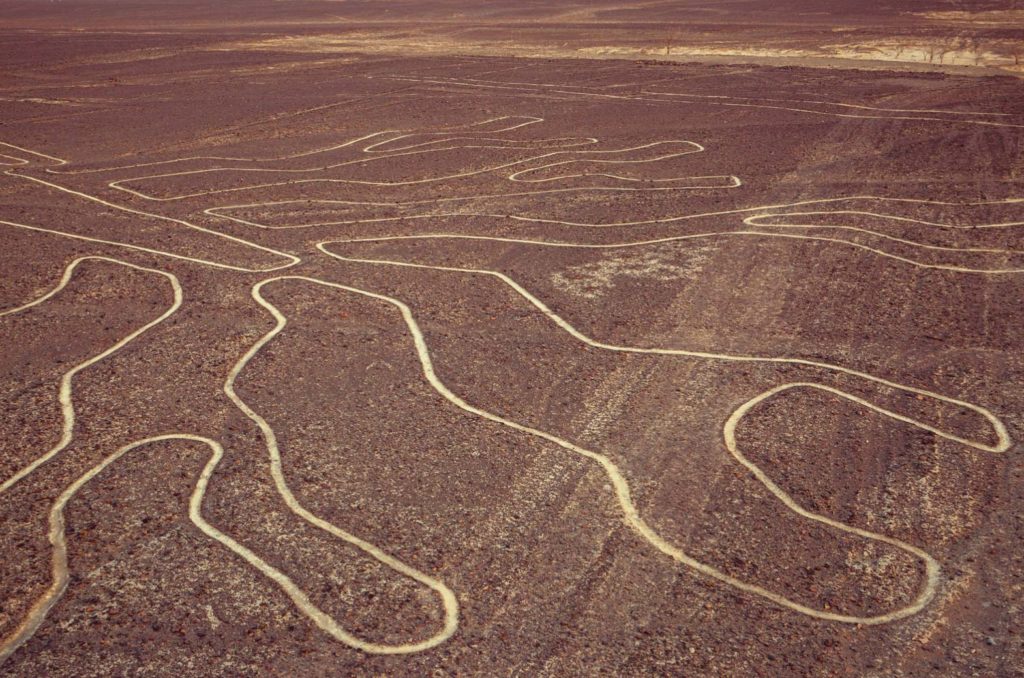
<point>754,220</point>
<point>327,623</point>
<point>10,160</point>
<point>41,608</point>
<point>527,120</point>
<point>292,259</point>
<point>59,161</point>
<point>719,234</point>
<point>726,97</point>
<point>218,211</point>
<point>137,248</point>
<point>619,482</point>
<point>672,219</point>
<point>713,101</point>
<point>735,182</point>
<point>59,560</point>
<point>621,485</point>
<point>401,151</point>
<point>998,427</point>
<point>65,392</point>
<point>584,155</point>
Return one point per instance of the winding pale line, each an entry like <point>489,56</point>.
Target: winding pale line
<point>120,183</point>
<point>704,99</point>
<point>998,427</point>
<point>511,144</point>
<point>710,235</point>
<point>138,248</point>
<point>756,220</point>
<point>909,220</point>
<point>59,560</point>
<point>192,158</point>
<point>789,205</point>
<point>59,556</point>
<point>64,396</point>
<point>708,101</point>
<point>722,96</point>
<point>621,485</point>
<point>292,259</point>
<point>42,606</point>
<point>581,155</point>
<point>734,181</point>
<point>16,161</point>
<point>448,599</point>
<point>527,120</point>
<point>59,161</point>
<point>217,211</point>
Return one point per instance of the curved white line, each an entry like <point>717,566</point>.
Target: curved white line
<point>292,259</point>
<point>59,561</point>
<point>44,604</point>
<point>722,96</point>
<point>621,485</point>
<point>65,391</point>
<point>578,155</point>
<point>448,599</point>
<point>998,427</point>
<point>137,248</point>
<point>756,220</point>
<point>707,99</point>
<point>527,120</point>
<point>725,234</point>
<point>218,211</point>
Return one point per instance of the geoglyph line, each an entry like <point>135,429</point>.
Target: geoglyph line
<point>391,136</point>
<point>137,248</point>
<point>41,608</point>
<point>44,156</point>
<point>448,599</point>
<point>220,210</point>
<point>998,427</point>
<point>755,220</point>
<point>713,100</point>
<point>526,120</point>
<point>726,97</point>
<point>292,259</point>
<point>60,577</point>
<point>59,561</point>
<point>390,144</point>
<point>714,235</point>
<point>64,395</point>
<point>11,160</point>
<point>621,485</point>
<point>766,230</point>
<point>728,181</point>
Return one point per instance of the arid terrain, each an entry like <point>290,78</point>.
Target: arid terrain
<point>511,339</point>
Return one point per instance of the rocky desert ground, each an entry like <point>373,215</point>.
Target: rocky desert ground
<point>518,339</point>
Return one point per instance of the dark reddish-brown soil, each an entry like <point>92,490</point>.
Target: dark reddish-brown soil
<point>864,220</point>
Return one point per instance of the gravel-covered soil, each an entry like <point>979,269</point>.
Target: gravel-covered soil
<point>335,362</point>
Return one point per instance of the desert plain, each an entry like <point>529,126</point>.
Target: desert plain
<point>436,338</point>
